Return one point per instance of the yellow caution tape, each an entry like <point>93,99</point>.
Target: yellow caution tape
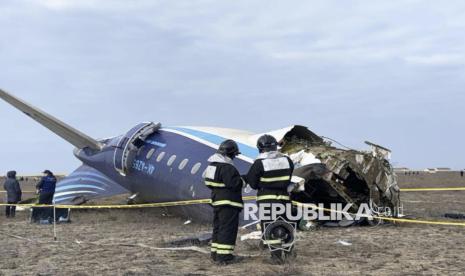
<point>3,192</point>
<point>432,189</point>
<point>207,201</point>
<point>402,189</point>
<point>133,206</point>
<point>431,222</point>
<point>421,221</point>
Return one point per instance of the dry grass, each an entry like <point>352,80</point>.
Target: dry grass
<point>104,238</point>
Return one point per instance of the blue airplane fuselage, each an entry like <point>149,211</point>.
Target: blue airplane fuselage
<point>168,167</point>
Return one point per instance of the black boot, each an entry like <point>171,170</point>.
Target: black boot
<point>230,260</point>
<point>213,256</point>
<point>13,211</point>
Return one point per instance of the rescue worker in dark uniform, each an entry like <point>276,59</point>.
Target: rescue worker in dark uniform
<point>225,183</point>
<point>270,175</point>
<point>46,190</point>
<point>13,193</point>
<point>46,187</point>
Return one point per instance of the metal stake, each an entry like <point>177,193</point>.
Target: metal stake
<point>54,222</point>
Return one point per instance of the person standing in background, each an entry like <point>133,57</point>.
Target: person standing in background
<point>14,193</point>
<point>46,187</point>
<point>46,191</point>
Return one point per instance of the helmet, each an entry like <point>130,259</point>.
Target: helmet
<point>267,143</point>
<point>229,148</point>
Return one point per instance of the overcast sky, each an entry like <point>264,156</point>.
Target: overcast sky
<point>391,72</point>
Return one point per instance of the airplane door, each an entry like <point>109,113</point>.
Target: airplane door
<point>129,145</point>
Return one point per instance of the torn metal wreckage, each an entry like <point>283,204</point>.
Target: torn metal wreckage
<point>347,176</point>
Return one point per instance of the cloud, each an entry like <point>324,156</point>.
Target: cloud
<point>437,60</point>
<point>69,4</point>
<point>349,69</point>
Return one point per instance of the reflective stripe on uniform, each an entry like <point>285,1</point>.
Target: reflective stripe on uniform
<point>223,246</point>
<point>215,184</point>
<point>271,242</point>
<point>277,197</point>
<point>222,249</point>
<point>273,179</point>
<point>227,202</point>
<point>224,252</point>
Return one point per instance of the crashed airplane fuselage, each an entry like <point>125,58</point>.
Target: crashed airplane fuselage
<point>166,164</point>
<point>347,176</point>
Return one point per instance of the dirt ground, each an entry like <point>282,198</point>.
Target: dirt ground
<point>127,242</point>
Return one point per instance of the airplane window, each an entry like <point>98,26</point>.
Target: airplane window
<point>160,156</point>
<point>204,172</point>
<point>150,153</point>
<point>183,164</point>
<point>171,160</point>
<point>196,168</point>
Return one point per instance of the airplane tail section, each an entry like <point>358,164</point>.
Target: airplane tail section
<point>85,184</point>
<point>70,134</point>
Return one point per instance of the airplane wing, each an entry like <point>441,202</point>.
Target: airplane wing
<point>70,134</point>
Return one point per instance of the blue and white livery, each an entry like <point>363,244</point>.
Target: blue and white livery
<point>153,163</point>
